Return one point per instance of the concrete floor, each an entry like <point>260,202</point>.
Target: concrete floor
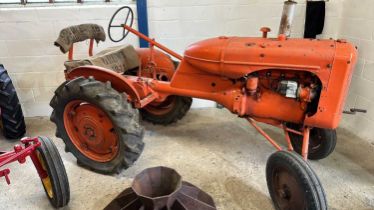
<point>210,148</point>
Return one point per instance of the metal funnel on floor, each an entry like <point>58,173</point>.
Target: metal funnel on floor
<point>161,188</point>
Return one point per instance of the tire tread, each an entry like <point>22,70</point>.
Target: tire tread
<point>123,116</point>
<point>56,172</point>
<point>316,197</point>
<point>12,117</point>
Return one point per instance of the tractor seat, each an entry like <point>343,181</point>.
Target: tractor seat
<point>119,58</point>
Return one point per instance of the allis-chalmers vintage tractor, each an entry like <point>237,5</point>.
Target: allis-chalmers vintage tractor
<point>298,85</point>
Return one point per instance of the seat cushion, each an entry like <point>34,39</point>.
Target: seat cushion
<point>119,59</point>
<point>70,35</point>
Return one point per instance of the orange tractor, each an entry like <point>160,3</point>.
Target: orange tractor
<point>298,85</point>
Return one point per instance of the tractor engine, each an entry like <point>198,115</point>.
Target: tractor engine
<point>279,79</point>
<point>280,95</point>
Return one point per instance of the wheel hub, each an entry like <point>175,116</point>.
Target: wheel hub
<point>289,194</point>
<point>91,131</point>
<point>284,192</point>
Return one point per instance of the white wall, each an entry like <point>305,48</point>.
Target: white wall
<point>36,66</point>
<point>27,50</point>
<point>357,26</point>
<point>178,23</point>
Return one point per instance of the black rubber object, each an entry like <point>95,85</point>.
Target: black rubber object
<point>11,113</point>
<point>124,118</point>
<point>180,108</point>
<point>306,180</point>
<point>56,172</point>
<point>130,15</point>
<point>322,142</point>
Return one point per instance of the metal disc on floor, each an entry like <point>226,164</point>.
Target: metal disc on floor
<point>161,188</point>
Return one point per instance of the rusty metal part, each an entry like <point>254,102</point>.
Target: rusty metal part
<point>287,17</point>
<point>252,84</point>
<point>161,188</point>
<point>289,194</point>
<point>265,31</point>
<point>354,111</point>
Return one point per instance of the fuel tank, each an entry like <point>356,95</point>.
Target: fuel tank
<point>234,57</point>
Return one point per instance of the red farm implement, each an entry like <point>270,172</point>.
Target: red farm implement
<point>48,164</point>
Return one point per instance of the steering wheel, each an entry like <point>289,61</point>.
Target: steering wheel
<point>129,19</point>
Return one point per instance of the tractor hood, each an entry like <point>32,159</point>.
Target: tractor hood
<point>234,57</point>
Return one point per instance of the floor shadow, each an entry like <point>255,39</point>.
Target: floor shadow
<point>245,196</point>
<point>356,149</point>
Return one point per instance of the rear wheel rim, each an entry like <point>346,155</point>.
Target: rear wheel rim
<point>287,191</point>
<point>91,131</point>
<point>162,108</point>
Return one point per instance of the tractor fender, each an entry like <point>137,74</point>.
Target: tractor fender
<point>118,81</point>
<point>164,64</point>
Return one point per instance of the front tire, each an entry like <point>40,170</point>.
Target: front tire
<point>292,183</point>
<point>322,142</point>
<point>56,184</point>
<point>97,124</point>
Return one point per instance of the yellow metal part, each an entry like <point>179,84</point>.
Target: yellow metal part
<point>46,181</point>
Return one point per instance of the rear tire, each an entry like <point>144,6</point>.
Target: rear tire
<point>56,184</point>
<point>292,183</point>
<point>127,144</point>
<point>11,113</point>
<point>171,110</point>
<point>322,142</point>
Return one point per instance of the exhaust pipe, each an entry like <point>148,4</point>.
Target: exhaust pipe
<point>287,17</point>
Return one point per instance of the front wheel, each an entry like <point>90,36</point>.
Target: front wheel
<point>322,142</point>
<point>292,183</point>
<point>56,184</point>
<point>97,124</point>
